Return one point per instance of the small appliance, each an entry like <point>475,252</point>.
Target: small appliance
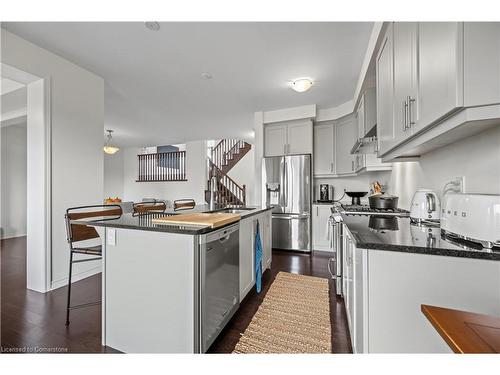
<point>425,206</point>
<point>472,217</point>
<point>325,193</point>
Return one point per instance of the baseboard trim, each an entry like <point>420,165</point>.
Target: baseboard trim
<point>9,236</point>
<point>76,277</point>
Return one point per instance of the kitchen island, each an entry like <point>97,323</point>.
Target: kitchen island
<point>391,267</point>
<point>172,288</point>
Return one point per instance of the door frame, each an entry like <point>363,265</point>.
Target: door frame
<point>39,198</point>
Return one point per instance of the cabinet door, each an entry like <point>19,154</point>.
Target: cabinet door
<point>440,71</point>
<point>370,113</point>
<point>405,78</point>
<point>266,233</point>
<point>324,149</point>
<point>321,214</point>
<point>247,268</point>
<point>360,114</point>
<point>385,82</point>
<point>300,138</point>
<point>275,140</point>
<point>360,308</point>
<point>345,137</point>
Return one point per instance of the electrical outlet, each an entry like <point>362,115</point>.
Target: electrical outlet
<point>111,236</point>
<point>459,183</point>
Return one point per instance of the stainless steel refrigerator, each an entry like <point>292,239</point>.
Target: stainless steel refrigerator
<point>287,187</point>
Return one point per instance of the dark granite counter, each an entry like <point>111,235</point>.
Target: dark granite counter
<point>144,221</point>
<point>398,234</point>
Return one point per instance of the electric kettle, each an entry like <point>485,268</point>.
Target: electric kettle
<point>425,206</point>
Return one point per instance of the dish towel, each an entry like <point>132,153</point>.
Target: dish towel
<point>258,259</point>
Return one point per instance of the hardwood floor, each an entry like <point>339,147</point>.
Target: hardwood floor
<point>34,322</point>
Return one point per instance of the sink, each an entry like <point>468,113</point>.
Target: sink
<point>238,210</point>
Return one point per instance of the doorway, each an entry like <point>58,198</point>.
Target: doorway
<point>26,158</point>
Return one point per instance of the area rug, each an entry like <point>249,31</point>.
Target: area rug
<point>294,317</point>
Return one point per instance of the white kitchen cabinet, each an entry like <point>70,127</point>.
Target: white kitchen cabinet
<point>399,283</point>
<point>405,79</point>
<point>440,72</point>
<point>247,257</point>
<point>320,216</point>
<point>266,238</point>
<point>348,281</point>
<point>366,112</point>
<point>248,228</point>
<point>290,138</point>
<point>345,137</point>
<point>385,94</point>
<point>275,139</point>
<point>360,300</point>
<point>324,149</point>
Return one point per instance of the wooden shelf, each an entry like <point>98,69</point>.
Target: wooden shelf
<point>465,332</point>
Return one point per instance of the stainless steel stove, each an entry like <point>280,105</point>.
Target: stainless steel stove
<point>354,209</point>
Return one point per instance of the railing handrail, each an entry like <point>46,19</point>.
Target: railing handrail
<point>219,171</point>
<point>167,152</point>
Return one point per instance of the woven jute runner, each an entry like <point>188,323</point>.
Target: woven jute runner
<point>293,318</point>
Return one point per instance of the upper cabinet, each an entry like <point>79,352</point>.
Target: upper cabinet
<point>295,137</point>
<point>429,76</point>
<point>385,93</point>
<point>440,73</point>
<point>324,149</point>
<point>346,134</point>
<point>366,112</point>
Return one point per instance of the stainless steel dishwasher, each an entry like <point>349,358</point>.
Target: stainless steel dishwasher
<point>219,281</point>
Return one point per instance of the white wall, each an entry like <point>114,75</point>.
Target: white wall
<point>113,175</point>
<point>13,200</point>
<point>192,188</point>
<point>77,103</point>
<point>477,158</point>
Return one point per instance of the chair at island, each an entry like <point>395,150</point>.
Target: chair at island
<point>79,233</point>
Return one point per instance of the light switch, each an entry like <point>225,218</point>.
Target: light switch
<point>111,234</point>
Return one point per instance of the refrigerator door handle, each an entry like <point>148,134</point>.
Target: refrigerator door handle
<point>285,183</point>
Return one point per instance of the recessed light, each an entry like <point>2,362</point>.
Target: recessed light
<point>206,75</point>
<point>152,25</point>
<point>301,84</point>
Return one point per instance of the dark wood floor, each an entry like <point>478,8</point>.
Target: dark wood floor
<point>35,321</point>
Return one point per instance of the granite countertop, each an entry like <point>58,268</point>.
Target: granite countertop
<point>398,234</point>
<point>144,221</point>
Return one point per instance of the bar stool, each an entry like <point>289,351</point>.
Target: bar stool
<point>184,204</point>
<point>144,207</point>
<point>80,232</point>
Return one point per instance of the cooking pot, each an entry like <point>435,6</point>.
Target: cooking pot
<point>383,202</point>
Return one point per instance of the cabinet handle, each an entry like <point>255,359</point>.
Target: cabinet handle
<point>410,100</point>
<point>352,165</point>
<point>317,210</point>
<point>331,167</point>
<point>405,115</point>
<point>284,149</point>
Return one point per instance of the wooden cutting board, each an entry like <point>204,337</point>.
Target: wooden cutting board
<point>213,220</point>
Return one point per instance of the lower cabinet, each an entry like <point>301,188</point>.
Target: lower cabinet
<point>320,216</point>
<point>248,229</point>
<point>247,267</point>
<point>384,291</point>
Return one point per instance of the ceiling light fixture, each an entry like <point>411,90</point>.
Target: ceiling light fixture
<point>206,75</point>
<point>301,84</point>
<point>108,147</point>
<point>152,25</point>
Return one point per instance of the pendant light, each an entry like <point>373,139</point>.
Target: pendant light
<point>108,148</point>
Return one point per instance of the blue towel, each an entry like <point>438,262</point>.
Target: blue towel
<point>258,260</point>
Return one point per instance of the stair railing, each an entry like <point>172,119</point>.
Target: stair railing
<point>229,191</point>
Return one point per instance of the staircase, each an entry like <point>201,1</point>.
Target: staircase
<point>225,155</point>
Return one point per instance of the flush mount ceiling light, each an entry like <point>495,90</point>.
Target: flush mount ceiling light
<point>206,75</point>
<point>152,25</point>
<point>301,84</point>
<point>108,147</point>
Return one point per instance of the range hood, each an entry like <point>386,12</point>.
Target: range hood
<point>368,144</point>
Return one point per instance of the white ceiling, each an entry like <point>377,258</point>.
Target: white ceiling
<point>154,91</point>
